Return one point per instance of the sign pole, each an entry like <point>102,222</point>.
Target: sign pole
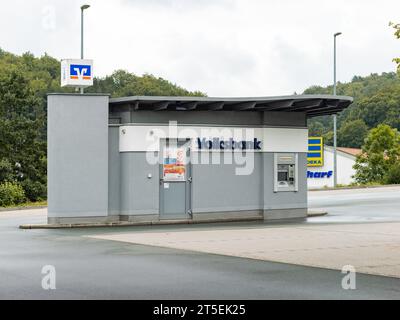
<point>85,6</point>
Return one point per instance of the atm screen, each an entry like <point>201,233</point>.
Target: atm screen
<point>283,176</point>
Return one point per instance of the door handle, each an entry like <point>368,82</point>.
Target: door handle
<point>189,179</point>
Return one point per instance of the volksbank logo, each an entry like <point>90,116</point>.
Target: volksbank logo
<point>80,71</point>
<point>231,144</point>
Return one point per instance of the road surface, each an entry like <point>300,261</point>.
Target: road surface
<point>88,268</point>
<point>357,205</point>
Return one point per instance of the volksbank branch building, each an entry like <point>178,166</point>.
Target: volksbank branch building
<point>146,159</point>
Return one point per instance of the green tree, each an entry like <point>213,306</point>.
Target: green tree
<point>123,83</point>
<point>396,27</point>
<point>376,101</point>
<point>393,175</point>
<point>6,171</point>
<point>380,152</point>
<point>21,148</point>
<point>352,134</point>
<point>316,129</point>
<point>328,138</point>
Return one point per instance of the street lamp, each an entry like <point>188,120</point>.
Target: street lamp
<point>83,7</point>
<point>334,116</point>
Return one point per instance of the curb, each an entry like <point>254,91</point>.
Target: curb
<point>310,214</point>
<point>131,224</point>
<point>152,223</point>
<point>316,213</point>
<point>356,187</point>
<point>22,208</point>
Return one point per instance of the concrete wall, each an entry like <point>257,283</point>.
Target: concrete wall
<point>139,194</point>
<point>77,156</point>
<point>217,187</point>
<point>114,172</point>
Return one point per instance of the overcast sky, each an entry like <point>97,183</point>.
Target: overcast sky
<point>221,47</point>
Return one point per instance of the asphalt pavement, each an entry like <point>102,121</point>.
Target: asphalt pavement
<point>377,204</point>
<point>88,268</point>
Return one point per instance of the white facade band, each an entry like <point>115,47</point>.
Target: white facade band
<point>147,138</point>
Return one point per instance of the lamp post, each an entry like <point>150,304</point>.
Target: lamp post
<point>334,116</point>
<point>84,7</point>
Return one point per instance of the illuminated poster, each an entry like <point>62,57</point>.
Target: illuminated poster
<point>174,160</point>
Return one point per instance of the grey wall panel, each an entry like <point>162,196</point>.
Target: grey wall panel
<point>237,118</point>
<point>77,155</point>
<point>198,117</point>
<point>275,118</point>
<point>114,172</point>
<point>216,187</point>
<point>289,199</point>
<point>139,194</point>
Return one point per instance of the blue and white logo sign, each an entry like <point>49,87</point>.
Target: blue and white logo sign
<point>315,154</point>
<point>76,73</point>
<point>80,71</point>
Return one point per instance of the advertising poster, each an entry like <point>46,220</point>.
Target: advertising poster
<point>174,160</point>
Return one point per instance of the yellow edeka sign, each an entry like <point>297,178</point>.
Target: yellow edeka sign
<point>315,154</point>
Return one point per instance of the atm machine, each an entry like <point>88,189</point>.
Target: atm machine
<point>285,172</point>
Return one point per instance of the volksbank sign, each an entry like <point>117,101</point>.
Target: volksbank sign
<point>76,73</point>
<point>134,138</point>
<point>230,144</point>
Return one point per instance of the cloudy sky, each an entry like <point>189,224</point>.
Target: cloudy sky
<point>221,47</point>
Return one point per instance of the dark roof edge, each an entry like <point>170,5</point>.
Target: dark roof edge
<point>228,99</point>
<point>78,94</point>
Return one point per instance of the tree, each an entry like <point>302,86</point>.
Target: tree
<point>393,175</point>
<point>376,101</point>
<point>328,138</point>
<point>352,133</point>
<point>396,27</point>
<point>315,129</point>
<point>380,152</point>
<point>22,150</point>
<point>123,83</point>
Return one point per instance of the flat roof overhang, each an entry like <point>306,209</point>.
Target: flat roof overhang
<point>312,105</point>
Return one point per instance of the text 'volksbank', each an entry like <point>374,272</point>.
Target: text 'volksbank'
<point>230,144</point>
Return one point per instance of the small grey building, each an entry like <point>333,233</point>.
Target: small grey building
<point>179,158</point>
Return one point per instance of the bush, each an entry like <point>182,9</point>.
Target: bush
<point>11,193</point>
<point>393,175</point>
<point>34,190</point>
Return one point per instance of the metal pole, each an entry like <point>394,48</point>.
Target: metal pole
<point>334,65</point>
<point>334,152</point>
<point>334,116</point>
<point>82,40</point>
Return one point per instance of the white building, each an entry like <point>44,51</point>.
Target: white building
<point>320,177</point>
